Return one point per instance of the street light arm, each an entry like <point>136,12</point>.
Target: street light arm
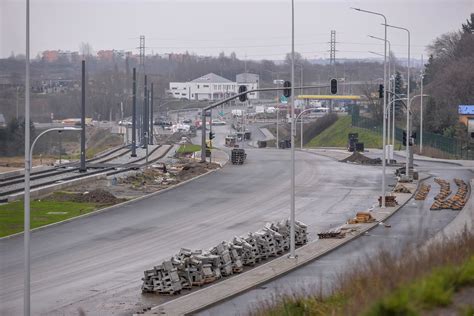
<point>47,131</point>
<point>371,12</point>
<point>307,110</point>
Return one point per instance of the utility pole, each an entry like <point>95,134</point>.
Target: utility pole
<point>17,111</point>
<point>332,48</point>
<point>141,70</point>
<point>422,76</point>
<point>83,119</point>
<point>145,113</point>
<point>151,115</point>
<point>134,114</point>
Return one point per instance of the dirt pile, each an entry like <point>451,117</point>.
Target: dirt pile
<point>149,177</point>
<point>191,169</point>
<point>97,196</point>
<point>359,158</point>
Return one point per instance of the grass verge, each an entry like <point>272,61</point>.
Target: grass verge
<point>417,281</point>
<point>188,148</point>
<point>336,135</point>
<point>42,213</point>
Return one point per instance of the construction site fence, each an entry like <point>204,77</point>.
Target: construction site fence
<point>433,144</point>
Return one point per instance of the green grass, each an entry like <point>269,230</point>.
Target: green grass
<point>12,215</point>
<point>434,290</point>
<point>336,135</point>
<point>188,148</point>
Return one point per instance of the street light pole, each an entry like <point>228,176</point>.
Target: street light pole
<point>389,75</point>
<point>278,118</point>
<point>421,113</point>
<point>28,166</point>
<point>26,298</point>
<point>407,167</point>
<point>384,162</point>
<point>292,105</point>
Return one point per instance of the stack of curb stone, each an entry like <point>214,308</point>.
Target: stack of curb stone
<point>444,192</point>
<point>188,268</point>
<point>423,192</point>
<point>457,201</point>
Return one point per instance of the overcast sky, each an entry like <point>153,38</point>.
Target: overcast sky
<point>253,29</point>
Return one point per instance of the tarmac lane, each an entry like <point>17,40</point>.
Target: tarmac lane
<point>95,263</point>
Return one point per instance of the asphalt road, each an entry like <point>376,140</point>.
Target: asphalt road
<point>95,263</point>
<point>411,226</point>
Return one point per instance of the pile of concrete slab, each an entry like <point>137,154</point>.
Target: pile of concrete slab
<point>188,268</point>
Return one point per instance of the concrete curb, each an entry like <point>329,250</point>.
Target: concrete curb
<point>192,303</point>
<point>109,208</point>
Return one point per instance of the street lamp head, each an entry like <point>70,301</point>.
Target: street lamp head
<point>70,128</point>
<point>357,9</point>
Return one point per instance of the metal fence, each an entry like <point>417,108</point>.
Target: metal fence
<point>434,145</point>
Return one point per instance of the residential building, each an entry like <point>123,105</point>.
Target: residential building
<point>212,87</point>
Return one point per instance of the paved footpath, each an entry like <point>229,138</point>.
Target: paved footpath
<point>198,300</point>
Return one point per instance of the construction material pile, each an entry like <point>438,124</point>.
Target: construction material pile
<point>238,156</point>
<point>362,218</point>
<point>423,192</point>
<point>400,188</point>
<point>390,201</point>
<point>444,192</point>
<point>457,201</point>
<point>194,268</point>
<point>359,158</point>
<point>333,233</point>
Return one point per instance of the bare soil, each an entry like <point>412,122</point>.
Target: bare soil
<point>96,196</point>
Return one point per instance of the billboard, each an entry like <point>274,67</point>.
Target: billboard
<point>466,109</point>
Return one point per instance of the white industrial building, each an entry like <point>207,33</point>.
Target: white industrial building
<point>213,87</point>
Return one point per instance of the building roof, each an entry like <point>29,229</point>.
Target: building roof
<point>212,77</point>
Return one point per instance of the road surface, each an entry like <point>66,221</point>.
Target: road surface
<point>410,226</point>
<point>95,263</point>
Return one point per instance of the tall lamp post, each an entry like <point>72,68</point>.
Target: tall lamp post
<point>384,100</point>
<point>389,76</point>
<point>407,167</point>
<point>26,298</point>
<point>388,109</point>
<point>422,76</point>
<point>292,105</point>
<point>28,166</point>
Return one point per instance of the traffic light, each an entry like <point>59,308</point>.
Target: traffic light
<point>242,97</point>
<point>333,86</point>
<point>413,135</point>
<point>404,138</point>
<point>287,92</point>
<point>212,135</point>
<point>381,91</point>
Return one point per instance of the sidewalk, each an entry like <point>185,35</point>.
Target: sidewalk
<point>464,163</point>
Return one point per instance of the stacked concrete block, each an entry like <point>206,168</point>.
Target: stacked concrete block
<point>246,251</point>
<point>194,268</point>
<point>163,279</point>
<point>301,233</point>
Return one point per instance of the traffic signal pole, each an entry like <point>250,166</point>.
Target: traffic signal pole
<point>204,110</point>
